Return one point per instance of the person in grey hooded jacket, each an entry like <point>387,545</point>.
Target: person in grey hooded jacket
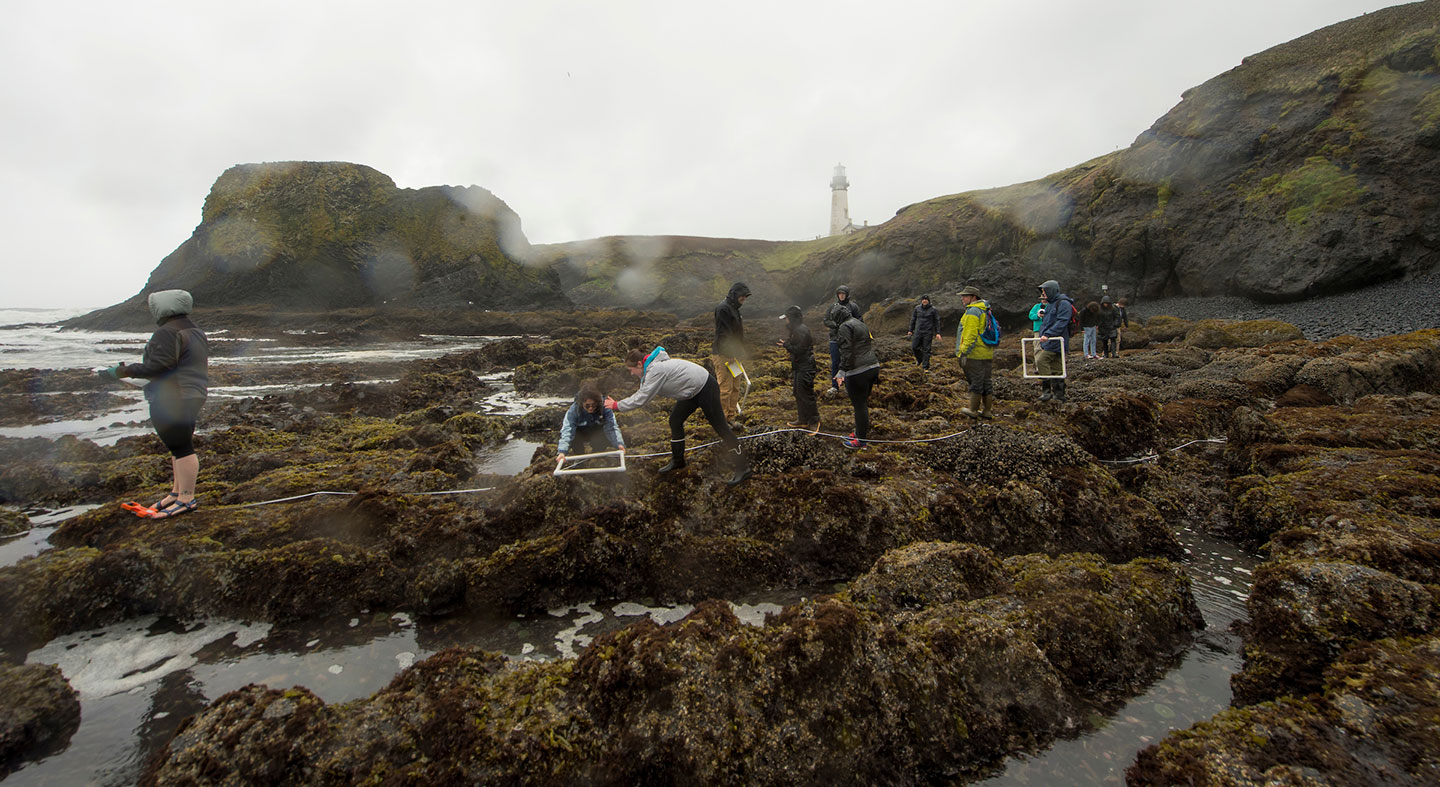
<point>175,361</point>
<point>692,388</point>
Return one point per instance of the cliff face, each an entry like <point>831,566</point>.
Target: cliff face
<point>335,235</point>
<point>679,274</point>
<point>1309,169</point>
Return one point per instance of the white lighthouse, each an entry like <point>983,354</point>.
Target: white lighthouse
<point>840,202</point>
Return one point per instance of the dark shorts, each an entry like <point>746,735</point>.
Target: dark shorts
<point>174,422</point>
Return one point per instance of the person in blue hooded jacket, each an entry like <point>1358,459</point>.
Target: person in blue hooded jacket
<point>1054,340</point>
<point>588,425</point>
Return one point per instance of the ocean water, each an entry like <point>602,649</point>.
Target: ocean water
<point>29,339</point>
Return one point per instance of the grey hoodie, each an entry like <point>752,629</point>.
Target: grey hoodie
<point>170,303</point>
<point>666,376</point>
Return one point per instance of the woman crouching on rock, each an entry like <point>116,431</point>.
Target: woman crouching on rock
<point>693,388</point>
<point>588,425</point>
<point>175,362</point>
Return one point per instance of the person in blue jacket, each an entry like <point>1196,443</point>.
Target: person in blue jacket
<point>1054,339</point>
<point>588,426</point>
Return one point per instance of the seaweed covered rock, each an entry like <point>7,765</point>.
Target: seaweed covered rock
<point>13,522</point>
<point>1023,492</point>
<point>1303,614</point>
<point>1394,365</point>
<point>1373,723</point>
<point>40,713</point>
<point>1213,334</point>
<point>828,691</point>
<point>1116,425</point>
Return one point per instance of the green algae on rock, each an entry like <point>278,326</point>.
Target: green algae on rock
<point>829,690</point>
<point>1372,722</point>
<point>40,713</point>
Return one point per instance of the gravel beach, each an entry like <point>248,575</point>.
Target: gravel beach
<point>1394,307</point>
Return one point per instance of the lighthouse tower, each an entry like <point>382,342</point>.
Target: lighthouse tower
<point>840,202</point>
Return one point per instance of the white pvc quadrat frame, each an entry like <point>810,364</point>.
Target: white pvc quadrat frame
<point>1025,359</point>
<point>588,470</point>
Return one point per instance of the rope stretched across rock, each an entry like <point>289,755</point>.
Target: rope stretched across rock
<point>1148,458</point>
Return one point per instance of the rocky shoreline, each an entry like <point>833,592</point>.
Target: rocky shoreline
<point>997,581</point>
<point>1394,307</point>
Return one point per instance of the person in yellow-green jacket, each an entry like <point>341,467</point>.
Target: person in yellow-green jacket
<point>976,357</point>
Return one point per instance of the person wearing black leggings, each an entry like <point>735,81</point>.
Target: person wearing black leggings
<point>176,362</point>
<point>693,389</point>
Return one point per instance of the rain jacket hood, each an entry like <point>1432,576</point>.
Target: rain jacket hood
<point>170,303</point>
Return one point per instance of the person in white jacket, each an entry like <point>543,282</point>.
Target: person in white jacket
<point>692,388</point>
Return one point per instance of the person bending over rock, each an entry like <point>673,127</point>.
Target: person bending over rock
<point>924,330</point>
<point>976,357</point>
<point>1054,340</point>
<point>175,361</point>
<point>588,425</point>
<point>692,388</point>
<point>859,371</point>
<point>801,347</point>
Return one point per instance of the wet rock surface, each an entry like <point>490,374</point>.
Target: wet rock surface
<point>999,530</point>
<point>832,690</point>
<point>1373,723</point>
<point>39,714</point>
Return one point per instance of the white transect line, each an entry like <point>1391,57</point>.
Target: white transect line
<point>1150,458</point>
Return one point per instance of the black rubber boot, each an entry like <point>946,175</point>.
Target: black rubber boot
<point>742,469</point>
<point>677,456</point>
<point>1045,394</point>
<point>1059,389</point>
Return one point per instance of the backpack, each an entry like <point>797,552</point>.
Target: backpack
<point>1075,328</point>
<point>991,335</point>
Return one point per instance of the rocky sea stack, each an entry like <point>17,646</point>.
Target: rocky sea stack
<point>308,236</point>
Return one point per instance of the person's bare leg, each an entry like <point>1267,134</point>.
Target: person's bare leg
<point>187,469</point>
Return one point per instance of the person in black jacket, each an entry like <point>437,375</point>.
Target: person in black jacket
<point>729,345</point>
<point>859,371</point>
<point>1108,326</point>
<point>841,310</point>
<point>924,329</point>
<point>175,361</point>
<point>801,347</point>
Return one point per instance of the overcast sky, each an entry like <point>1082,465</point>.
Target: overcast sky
<point>587,118</point>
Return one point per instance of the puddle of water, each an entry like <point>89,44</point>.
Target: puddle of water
<point>508,458</point>
<point>42,524</point>
<point>139,679</point>
<point>1192,691</point>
